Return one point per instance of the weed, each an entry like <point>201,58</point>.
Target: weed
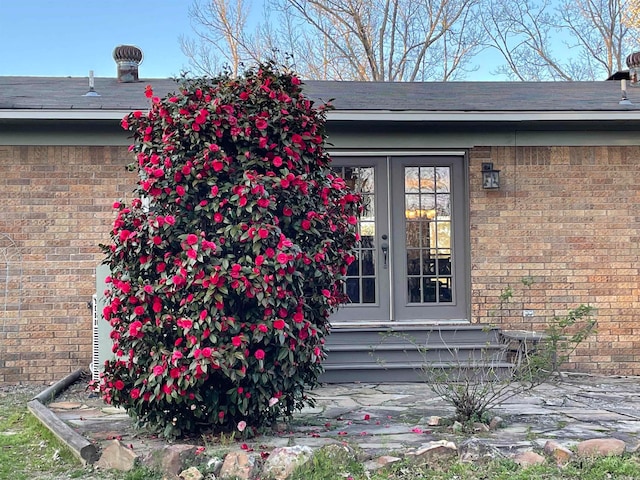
<point>330,464</point>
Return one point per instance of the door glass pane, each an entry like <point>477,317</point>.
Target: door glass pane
<point>361,281</point>
<point>427,179</point>
<point>368,290</point>
<point>413,234</point>
<point>368,266</point>
<point>443,179</point>
<point>413,262</point>
<point>353,290</point>
<point>428,222</point>
<point>413,284</point>
<point>412,180</point>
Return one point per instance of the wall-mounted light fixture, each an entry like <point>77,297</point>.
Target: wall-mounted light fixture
<point>490,177</point>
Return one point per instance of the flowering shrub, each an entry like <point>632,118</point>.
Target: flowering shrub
<point>227,265</point>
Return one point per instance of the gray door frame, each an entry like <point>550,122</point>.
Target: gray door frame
<point>391,290</point>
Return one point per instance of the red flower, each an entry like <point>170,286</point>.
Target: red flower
<point>134,329</point>
<point>263,328</point>
<point>192,239</point>
<point>135,393</point>
<point>279,324</point>
<point>306,224</point>
<point>259,354</point>
<point>236,341</point>
<point>148,91</point>
<point>185,323</point>
<point>261,124</point>
<point>282,258</point>
<point>119,384</point>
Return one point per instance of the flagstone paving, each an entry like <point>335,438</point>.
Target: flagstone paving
<point>382,419</point>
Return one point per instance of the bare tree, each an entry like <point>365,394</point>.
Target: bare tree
<point>388,40</point>
<point>577,40</point>
<point>222,36</point>
<point>393,40</point>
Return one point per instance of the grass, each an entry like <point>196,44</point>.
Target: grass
<point>327,467</point>
<point>29,451</point>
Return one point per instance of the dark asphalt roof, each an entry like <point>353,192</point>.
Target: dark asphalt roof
<point>67,93</point>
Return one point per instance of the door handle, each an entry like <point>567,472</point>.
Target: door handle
<point>385,253</point>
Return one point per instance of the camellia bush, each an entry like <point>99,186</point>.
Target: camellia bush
<point>229,261</point>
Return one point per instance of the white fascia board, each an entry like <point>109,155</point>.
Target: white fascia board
<point>42,114</point>
<point>462,116</point>
<point>357,115</point>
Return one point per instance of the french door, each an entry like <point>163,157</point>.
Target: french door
<point>411,263</point>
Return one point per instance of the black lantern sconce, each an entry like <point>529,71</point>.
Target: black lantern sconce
<point>490,177</point>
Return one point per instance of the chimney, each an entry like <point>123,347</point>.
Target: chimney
<point>127,57</point>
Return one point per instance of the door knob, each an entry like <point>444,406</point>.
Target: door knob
<point>385,252</point>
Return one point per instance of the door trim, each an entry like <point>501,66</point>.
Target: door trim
<point>466,230</point>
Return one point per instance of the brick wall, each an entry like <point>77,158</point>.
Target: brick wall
<point>55,208</point>
<point>569,218</point>
<point>566,216</point>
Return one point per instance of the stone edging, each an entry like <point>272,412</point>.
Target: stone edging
<point>84,450</point>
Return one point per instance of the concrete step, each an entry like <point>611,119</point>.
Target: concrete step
<point>408,372</point>
<point>403,352</point>
<point>345,354</point>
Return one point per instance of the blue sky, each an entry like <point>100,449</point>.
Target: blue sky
<point>71,37</point>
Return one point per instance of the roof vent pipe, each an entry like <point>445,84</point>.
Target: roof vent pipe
<point>128,58</point>
<point>633,62</point>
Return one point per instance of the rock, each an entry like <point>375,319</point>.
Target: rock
<point>474,450</point>
<point>338,453</point>
<point>171,459</point>
<point>64,405</point>
<point>496,422</point>
<point>191,473</point>
<point>434,452</point>
<point>601,447</point>
<point>560,454</point>
<point>480,427</point>
<point>239,466</point>
<point>385,460</point>
<point>380,462</point>
<point>214,464</point>
<point>456,427</point>
<point>114,411</point>
<point>284,460</point>
<point>529,459</point>
<point>434,421</point>
<point>117,457</point>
